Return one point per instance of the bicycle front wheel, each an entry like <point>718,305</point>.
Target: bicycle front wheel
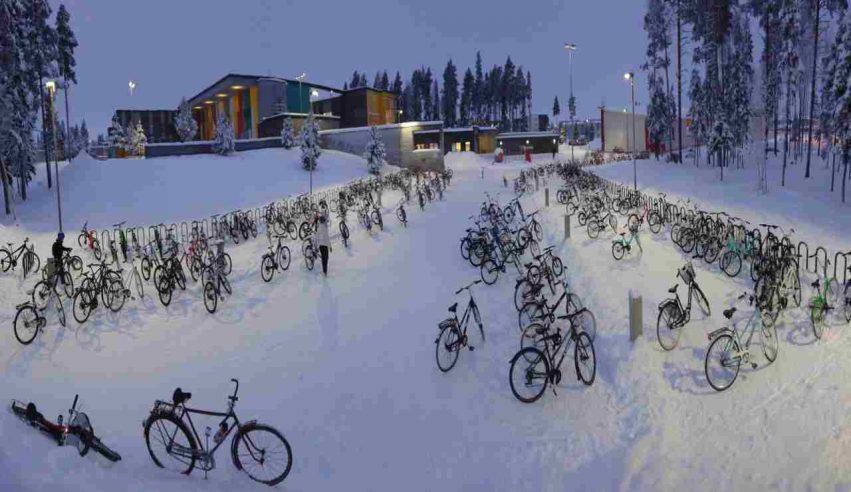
<point>722,362</point>
<point>584,359</point>
<point>26,324</point>
<point>267,268</point>
<point>211,298</point>
<point>529,374</point>
<point>668,328</point>
<point>489,272</point>
<point>262,453</point>
<point>448,346</point>
<point>700,299</point>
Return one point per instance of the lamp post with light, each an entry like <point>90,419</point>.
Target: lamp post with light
<point>132,86</point>
<point>50,85</point>
<point>630,76</point>
<point>570,47</point>
<point>300,78</point>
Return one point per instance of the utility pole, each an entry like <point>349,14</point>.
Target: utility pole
<point>51,89</point>
<point>630,76</point>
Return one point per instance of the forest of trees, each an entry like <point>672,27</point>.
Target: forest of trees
<point>799,84</point>
<point>31,53</point>
<point>499,96</point>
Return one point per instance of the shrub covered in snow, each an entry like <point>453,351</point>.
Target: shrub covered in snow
<point>287,138</point>
<point>223,143</point>
<point>185,124</point>
<point>375,154</point>
<point>310,150</point>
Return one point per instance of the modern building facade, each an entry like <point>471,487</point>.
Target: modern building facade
<point>412,145</point>
<point>362,106</point>
<point>536,142</point>
<point>478,139</point>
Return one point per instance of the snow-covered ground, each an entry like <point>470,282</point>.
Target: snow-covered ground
<point>171,189</point>
<point>344,367</point>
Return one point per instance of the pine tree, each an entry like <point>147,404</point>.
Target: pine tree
<point>450,94</point>
<point>466,113</point>
<point>397,84</point>
<point>841,95</point>
<point>505,87</point>
<point>376,82</point>
<point>435,103</point>
<point>375,154</point>
<point>140,140</point>
<point>223,143</point>
<point>556,108</point>
<point>363,82</point>
<point>184,122</point>
<point>117,138</point>
<point>425,92</point>
<point>478,96</point>
<point>355,83</point>
<point>310,150</point>
<point>84,137</point>
<point>287,137</point>
<point>345,86</point>
<point>385,82</point>
<point>40,53</point>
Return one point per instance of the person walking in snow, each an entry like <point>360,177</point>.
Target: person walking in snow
<point>59,251</point>
<point>323,240</point>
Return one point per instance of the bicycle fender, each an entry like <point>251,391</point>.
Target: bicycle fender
<point>721,331</point>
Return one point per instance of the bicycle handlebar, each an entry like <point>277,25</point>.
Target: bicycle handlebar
<point>235,390</point>
<point>467,287</point>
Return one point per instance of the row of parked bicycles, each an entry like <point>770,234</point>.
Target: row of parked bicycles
<point>774,264</point>
<point>123,263</point>
<point>506,239</point>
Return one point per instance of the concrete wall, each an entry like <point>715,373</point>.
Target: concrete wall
<point>617,131</point>
<point>398,142</point>
<point>206,147</point>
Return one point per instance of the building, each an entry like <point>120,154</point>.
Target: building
<point>478,139</point>
<point>412,145</point>
<point>539,122</point>
<point>157,123</point>
<point>361,106</point>
<point>617,131</point>
<point>538,142</point>
<point>246,100</point>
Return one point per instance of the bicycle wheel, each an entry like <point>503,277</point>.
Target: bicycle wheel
<point>116,295</point>
<point>530,313</point>
<point>489,272</point>
<point>465,248</point>
<point>41,294</point>
<point>523,293</point>
<point>26,324</point>
<point>211,297</point>
<point>67,284</point>
<point>267,268</point>
<point>668,329</point>
<point>170,444</point>
<point>847,302</point>
<point>533,274</point>
<point>585,322</point>
<point>770,344</point>
<point>632,221</point>
<point>284,257</point>
<point>226,264</point>
<point>700,300</point>
<point>164,289</point>
<point>710,252</point>
<point>448,345</point>
<point>83,305</point>
<point>60,311</point>
<point>722,362</point>
<point>817,316</point>
<point>344,230</point>
<point>262,453</point>
<point>731,263</point>
<point>529,374</point>
<point>584,359</point>
<point>31,259</point>
<point>617,250</point>
<point>137,281</point>
<point>146,268</point>
<point>655,223</point>
<point>304,231</point>
<point>592,229</point>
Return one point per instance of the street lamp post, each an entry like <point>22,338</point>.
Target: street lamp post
<point>570,47</point>
<point>630,76</point>
<point>51,89</point>
<point>132,86</point>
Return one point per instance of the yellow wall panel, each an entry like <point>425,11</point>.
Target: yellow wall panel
<point>254,113</point>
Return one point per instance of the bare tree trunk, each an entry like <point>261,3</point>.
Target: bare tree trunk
<point>7,197</point>
<point>786,133</point>
<point>813,90</point>
<point>844,175</point>
<point>679,85</point>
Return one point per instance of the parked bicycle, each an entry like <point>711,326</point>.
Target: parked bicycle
<point>453,333</point>
<point>24,253</point>
<point>673,316</point>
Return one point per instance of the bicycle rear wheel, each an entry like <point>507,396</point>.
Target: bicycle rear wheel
<point>211,297</point>
<point>26,324</point>
<point>722,362</point>
<point>584,359</point>
<point>448,346</point>
<point>262,453</point>
<point>267,268</point>
<point>668,329</point>
<point>170,444</point>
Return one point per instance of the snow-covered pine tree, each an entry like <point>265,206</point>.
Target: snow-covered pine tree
<point>375,154</point>
<point>184,122</point>
<point>465,110</point>
<point>841,94</point>
<point>117,137</point>
<point>223,143</point>
<point>84,137</point>
<point>556,108</point>
<point>658,116</point>
<point>139,139</point>
<point>790,31</point>
<point>310,150</point>
<point>435,103</point>
<point>450,94</point>
<point>287,137</point>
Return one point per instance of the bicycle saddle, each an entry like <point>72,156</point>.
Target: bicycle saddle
<point>815,284</point>
<point>728,313</point>
<point>453,307</point>
<point>9,244</point>
<point>673,290</point>
<point>179,396</point>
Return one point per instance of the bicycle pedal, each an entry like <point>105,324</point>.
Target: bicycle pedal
<point>472,348</point>
<point>753,365</point>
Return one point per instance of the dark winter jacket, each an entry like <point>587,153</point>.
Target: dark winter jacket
<point>59,250</point>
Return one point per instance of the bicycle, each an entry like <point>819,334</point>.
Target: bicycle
<point>216,281</point>
<point>78,432</point>
<point>535,366</point>
<point>453,333</point>
<point>310,252</point>
<point>539,311</point>
<point>42,290</point>
<point>29,319</point>
<point>275,259</point>
<point>622,245</point>
<point>88,240</point>
<point>653,219</point>
<point>402,215</point>
<point>29,259</point>
<point>823,303</point>
<point>725,353</point>
<point>166,430</point>
<point>672,315</point>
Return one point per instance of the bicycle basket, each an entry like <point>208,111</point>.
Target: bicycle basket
<point>687,273</point>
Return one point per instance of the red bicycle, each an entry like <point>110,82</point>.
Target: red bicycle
<point>88,239</point>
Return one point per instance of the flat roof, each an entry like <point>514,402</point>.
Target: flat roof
<point>510,135</point>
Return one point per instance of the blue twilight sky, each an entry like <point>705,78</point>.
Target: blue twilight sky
<point>174,48</point>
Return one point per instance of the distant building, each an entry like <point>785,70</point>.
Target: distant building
<point>539,122</point>
<point>516,143</point>
<point>481,140</point>
<point>362,106</point>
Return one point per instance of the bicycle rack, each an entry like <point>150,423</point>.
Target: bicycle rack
<point>824,255</point>
<point>105,237</point>
<point>184,232</point>
<point>844,267</point>
<point>806,255</point>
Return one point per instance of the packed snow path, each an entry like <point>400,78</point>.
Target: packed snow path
<point>344,368</point>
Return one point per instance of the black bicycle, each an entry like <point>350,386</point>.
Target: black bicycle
<point>673,316</point>
<point>275,259</point>
<point>29,259</point>
<point>257,449</point>
<point>453,333</point>
<point>535,365</point>
<point>78,432</point>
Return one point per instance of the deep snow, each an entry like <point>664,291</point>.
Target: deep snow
<point>344,367</point>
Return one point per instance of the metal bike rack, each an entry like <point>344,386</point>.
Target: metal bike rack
<point>824,262</point>
<point>805,255</point>
<point>844,267</point>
